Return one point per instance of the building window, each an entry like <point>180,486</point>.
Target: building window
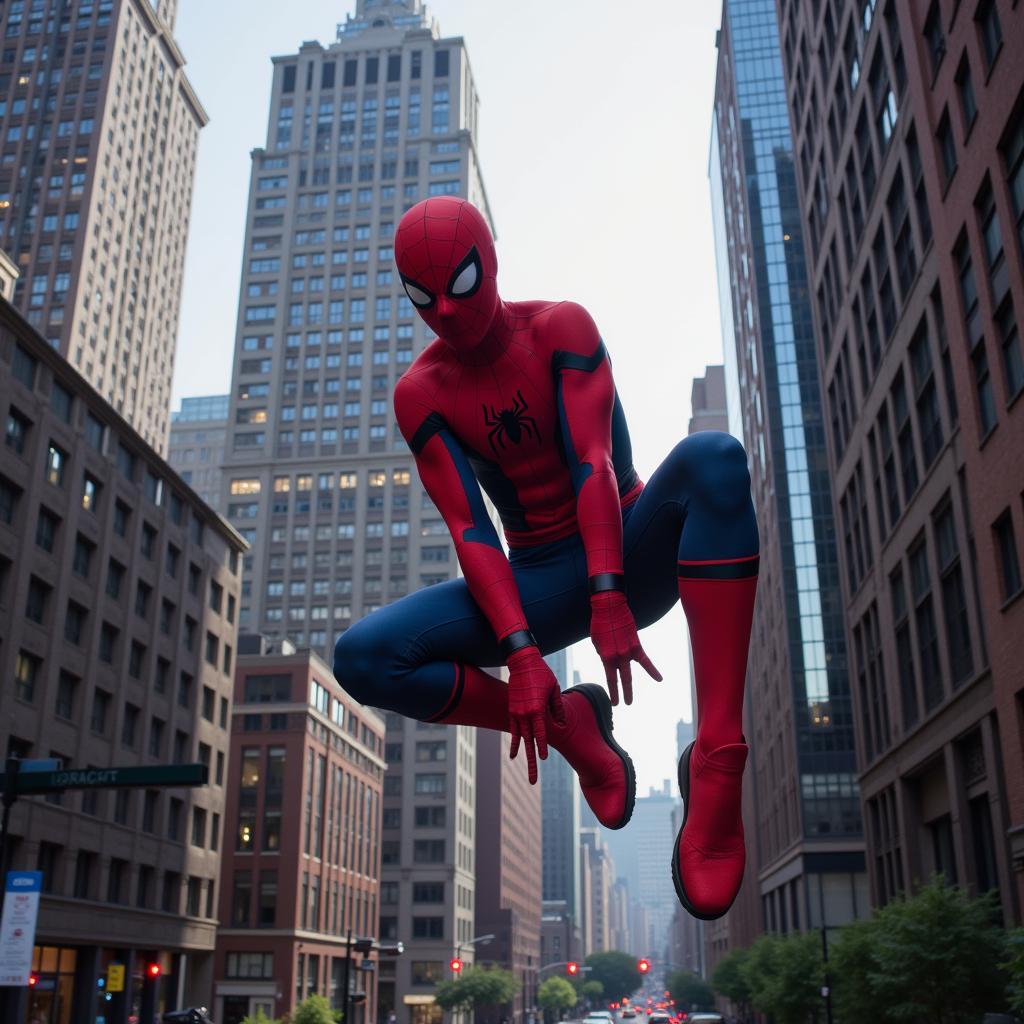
<point>947,147</point>
<point>968,102</point>
<point>924,622</point>
<point>1006,553</point>
<point>56,462</point>
<point>954,598</point>
<point>16,432</point>
<point>100,711</point>
<point>1009,341</point>
<point>990,31</point>
<point>26,672</point>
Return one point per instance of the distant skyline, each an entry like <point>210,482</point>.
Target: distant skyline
<point>594,133</point>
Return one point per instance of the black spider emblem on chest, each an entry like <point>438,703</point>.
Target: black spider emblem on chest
<point>510,424</point>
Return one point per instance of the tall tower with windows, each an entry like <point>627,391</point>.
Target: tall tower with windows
<point>317,476</point>
<point>98,129</point>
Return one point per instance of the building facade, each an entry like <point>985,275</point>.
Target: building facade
<point>317,475</point>
<point>561,809</point>
<point>195,447</point>
<point>300,877</point>
<point>99,128</point>
<point>640,854</point>
<point>910,166</point>
<point>708,406</point>
<point>808,834</point>
<point>601,875</point>
<point>119,599</point>
<point>508,869</point>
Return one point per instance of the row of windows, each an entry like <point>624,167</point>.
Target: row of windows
<point>98,436</point>
<point>372,68</point>
<point>931,625</point>
<point>86,882</point>
<point>324,481</point>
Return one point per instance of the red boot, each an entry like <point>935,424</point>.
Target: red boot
<point>710,855</point>
<point>605,770</point>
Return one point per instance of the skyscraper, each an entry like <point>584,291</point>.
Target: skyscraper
<point>560,806</point>
<point>808,829</point>
<point>914,194</point>
<point>317,475</point>
<point>99,128</point>
<point>642,854</point>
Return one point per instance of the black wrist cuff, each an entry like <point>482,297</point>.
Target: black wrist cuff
<point>516,642</point>
<point>602,581</point>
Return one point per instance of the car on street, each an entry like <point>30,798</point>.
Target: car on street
<point>599,1017</point>
<point>627,1013</point>
<point>705,1018</point>
<point>660,1017</point>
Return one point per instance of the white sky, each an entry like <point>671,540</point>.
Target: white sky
<point>594,133</point>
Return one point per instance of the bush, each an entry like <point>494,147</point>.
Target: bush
<point>314,1010</point>
<point>259,1017</point>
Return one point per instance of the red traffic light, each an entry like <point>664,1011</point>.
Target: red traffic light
<point>572,967</point>
<point>152,970</point>
<point>643,965</point>
<point>33,980</point>
<point>455,965</point>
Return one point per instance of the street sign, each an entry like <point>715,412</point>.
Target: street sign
<point>18,926</point>
<point>115,977</point>
<point>367,965</point>
<point>109,778</point>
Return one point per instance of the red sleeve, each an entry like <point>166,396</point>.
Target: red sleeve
<point>586,398</point>
<point>449,480</point>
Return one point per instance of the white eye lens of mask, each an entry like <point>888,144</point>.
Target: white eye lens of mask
<point>466,281</point>
<point>418,296</point>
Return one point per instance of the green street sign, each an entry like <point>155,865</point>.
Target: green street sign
<point>109,778</point>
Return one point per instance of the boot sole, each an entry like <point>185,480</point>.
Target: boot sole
<point>684,791</point>
<point>602,706</point>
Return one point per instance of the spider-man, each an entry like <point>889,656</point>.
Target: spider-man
<point>518,398</point>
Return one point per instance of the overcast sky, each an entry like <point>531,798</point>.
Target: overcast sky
<point>594,130</point>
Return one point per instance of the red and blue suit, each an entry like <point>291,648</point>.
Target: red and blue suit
<point>518,398</point>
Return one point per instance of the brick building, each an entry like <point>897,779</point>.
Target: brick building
<point>508,867</point>
<point>301,865</point>
<point>909,133</point>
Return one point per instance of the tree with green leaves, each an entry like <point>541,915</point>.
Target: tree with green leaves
<point>729,981</point>
<point>932,957</point>
<point>259,1017</point>
<point>689,991</point>
<point>557,994</point>
<point>592,990</point>
<point>617,973</point>
<point>314,1010</point>
<point>478,986</point>
<point>1014,968</point>
<point>784,975</point>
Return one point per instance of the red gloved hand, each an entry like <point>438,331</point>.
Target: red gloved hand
<point>613,630</point>
<point>532,693</point>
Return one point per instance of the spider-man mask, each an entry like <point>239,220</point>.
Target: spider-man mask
<point>446,259</point>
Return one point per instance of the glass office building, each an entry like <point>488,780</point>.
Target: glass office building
<point>808,829</point>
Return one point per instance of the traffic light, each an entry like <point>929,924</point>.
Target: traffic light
<point>153,970</point>
<point>572,968</point>
<point>455,964</point>
<point>643,965</point>
<point>33,980</point>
